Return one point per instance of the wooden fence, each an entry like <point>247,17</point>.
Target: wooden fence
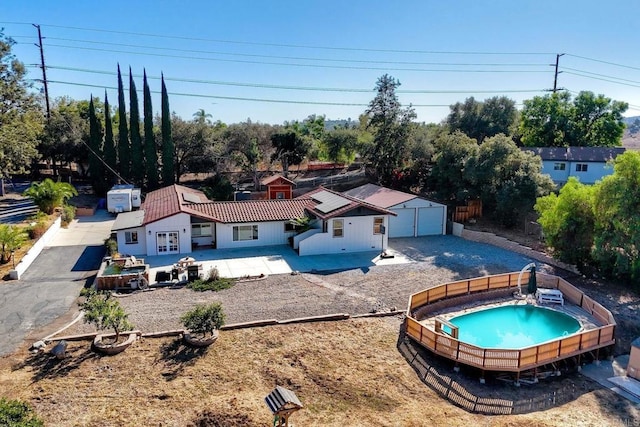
<point>473,209</point>
<point>421,304</point>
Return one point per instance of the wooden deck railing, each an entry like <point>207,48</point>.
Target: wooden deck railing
<point>499,359</point>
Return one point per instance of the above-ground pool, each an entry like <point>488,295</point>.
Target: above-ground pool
<point>513,326</point>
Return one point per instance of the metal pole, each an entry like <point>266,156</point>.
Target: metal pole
<point>555,78</point>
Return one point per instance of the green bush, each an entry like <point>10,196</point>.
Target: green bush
<point>105,312</point>
<point>112,246</point>
<point>204,318</point>
<point>68,214</point>
<point>219,284</point>
<point>14,413</point>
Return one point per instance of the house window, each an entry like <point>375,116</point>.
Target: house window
<point>245,232</point>
<point>338,227</point>
<point>200,230</point>
<point>279,195</point>
<point>581,167</point>
<point>559,166</point>
<point>378,222</point>
<point>131,237</point>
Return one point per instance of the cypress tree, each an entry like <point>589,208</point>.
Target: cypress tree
<point>124,149</point>
<point>137,150</point>
<point>96,168</point>
<point>150,149</point>
<point>168,149</point>
<point>109,147</point>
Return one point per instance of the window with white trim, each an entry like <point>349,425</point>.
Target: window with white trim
<point>201,230</point>
<point>338,228</point>
<point>559,166</point>
<point>378,222</point>
<point>581,167</point>
<point>245,232</point>
<point>130,237</point>
<point>279,195</point>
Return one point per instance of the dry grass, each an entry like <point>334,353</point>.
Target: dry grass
<point>347,373</point>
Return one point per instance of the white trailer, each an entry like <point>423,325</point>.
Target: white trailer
<point>123,198</point>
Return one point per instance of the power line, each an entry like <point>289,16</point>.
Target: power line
<point>602,79</point>
<point>238,42</point>
<point>293,64</point>
<point>604,62</point>
<point>301,58</point>
<point>602,75</point>
<point>236,98</point>
<point>302,88</point>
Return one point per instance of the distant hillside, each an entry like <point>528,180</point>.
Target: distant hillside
<point>631,136</point>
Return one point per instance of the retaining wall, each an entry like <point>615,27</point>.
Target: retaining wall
<point>35,250</point>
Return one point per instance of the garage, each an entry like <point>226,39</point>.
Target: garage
<point>402,225</point>
<point>415,216</point>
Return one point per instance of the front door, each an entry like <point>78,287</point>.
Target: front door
<point>167,243</point>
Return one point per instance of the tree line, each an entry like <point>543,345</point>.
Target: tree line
<point>474,153</point>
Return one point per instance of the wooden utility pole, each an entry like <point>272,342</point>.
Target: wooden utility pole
<point>555,78</point>
<point>44,71</point>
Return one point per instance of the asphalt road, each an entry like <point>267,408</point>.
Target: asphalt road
<point>52,283</point>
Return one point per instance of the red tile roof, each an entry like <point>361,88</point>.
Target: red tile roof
<point>175,199</point>
<point>253,210</point>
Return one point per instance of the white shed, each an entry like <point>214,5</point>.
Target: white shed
<point>415,216</point>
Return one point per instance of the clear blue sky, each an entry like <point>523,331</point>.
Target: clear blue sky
<point>272,47</point>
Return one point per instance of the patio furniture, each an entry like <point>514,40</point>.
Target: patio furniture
<point>550,296</point>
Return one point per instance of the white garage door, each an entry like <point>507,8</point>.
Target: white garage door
<point>402,225</point>
<point>430,221</point>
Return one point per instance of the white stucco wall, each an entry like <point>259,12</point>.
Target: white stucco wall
<point>132,249</point>
<point>357,237</point>
<point>179,223</point>
<point>269,233</point>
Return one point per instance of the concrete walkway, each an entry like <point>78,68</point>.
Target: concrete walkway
<point>612,374</point>
<point>272,260</point>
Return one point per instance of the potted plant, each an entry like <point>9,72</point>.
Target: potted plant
<point>107,313</point>
<point>202,324</point>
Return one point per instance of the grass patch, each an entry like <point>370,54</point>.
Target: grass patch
<point>201,285</point>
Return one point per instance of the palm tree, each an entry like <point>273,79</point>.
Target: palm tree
<point>202,116</point>
<point>48,194</point>
<point>11,238</point>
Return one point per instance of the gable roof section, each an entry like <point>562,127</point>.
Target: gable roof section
<point>277,180</point>
<point>169,201</point>
<point>315,204</point>
<point>252,210</point>
<point>380,196</point>
<point>577,154</point>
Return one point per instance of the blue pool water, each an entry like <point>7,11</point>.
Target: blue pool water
<point>513,326</point>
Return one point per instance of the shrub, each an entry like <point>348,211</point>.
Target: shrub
<point>105,312</point>
<point>219,284</point>
<point>112,246</point>
<point>68,214</point>
<point>14,413</point>
<point>204,319</point>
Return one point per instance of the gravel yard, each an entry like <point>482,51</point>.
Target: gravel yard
<point>437,259</point>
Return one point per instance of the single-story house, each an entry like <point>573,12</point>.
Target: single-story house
<point>415,216</point>
<point>178,219</point>
<point>588,164</point>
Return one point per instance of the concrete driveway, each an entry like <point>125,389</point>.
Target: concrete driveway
<point>52,283</point>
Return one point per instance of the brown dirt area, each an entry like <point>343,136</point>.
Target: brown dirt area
<point>345,373</point>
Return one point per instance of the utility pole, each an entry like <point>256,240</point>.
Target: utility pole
<point>44,71</point>
<point>555,78</point>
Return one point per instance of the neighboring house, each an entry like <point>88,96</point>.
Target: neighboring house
<point>588,164</point>
<point>178,219</point>
<point>415,216</point>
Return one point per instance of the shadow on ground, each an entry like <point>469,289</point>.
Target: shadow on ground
<point>46,366</point>
<point>177,356</point>
<point>496,397</point>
